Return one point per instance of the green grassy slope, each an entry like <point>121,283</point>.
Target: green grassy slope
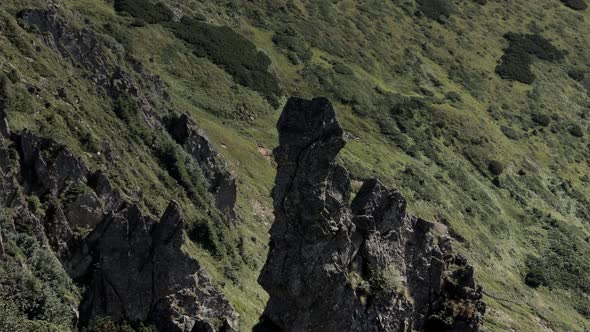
<point>424,111</point>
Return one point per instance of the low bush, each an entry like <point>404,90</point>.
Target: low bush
<point>15,97</point>
<point>575,4</point>
<point>564,264</point>
<point>105,324</point>
<point>576,75</point>
<point>536,45</point>
<point>288,40</point>
<point>515,65</point>
<point>495,167</point>
<point>541,119</point>
<point>576,131</point>
<point>535,277</point>
<point>436,9</point>
<point>510,133</point>
<point>516,62</point>
<point>231,51</point>
<point>144,10</point>
<point>387,280</point>
<point>36,294</point>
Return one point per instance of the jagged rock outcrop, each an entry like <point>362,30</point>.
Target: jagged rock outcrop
<point>47,167</point>
<point>136,270</point>
<point>83,48</point>
<point>80,46</point>
<point>132,267</point>
<point>222,185</point>
<point>360,266</point>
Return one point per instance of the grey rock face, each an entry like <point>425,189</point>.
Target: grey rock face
<point>360,266</point>
<point>81,47</point>
<point>222,185</point>
<point>131,266</point>
<point>48,168</point>
<point>137,271</point>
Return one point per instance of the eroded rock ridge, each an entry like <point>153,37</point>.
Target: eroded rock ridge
<point>365,265</point>
<point>133,268</point>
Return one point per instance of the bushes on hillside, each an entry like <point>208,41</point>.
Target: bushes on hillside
<point>36,294</point>
<point>515,65</point>
<point>576,131</point>
<point>145,10</point>
<point>575,4</point>
<point>234,53</point>
<point>516,62</point>
<point>541,119</point>
<point>576,75</point>
<point>495,167</point>
<point>296,48</point>
<point>436,9</point>
<point>536,45</point>
<point>105,324</point>
<point>226,48</point>
<point>565,264</point>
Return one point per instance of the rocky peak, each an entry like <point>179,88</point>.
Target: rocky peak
<point>309,184</point>
<point>360,266</point>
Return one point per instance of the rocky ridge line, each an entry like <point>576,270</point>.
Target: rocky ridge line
<point>132,267</point>
<point>83,48</point>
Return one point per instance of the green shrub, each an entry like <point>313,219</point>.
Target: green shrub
<point>495,167</point>
<point>575,4</point>
<point>342,69</point>
<point>15,97</point>
<point>105,324</point>
<point>34,204</point>
<point>536,45</point>
<point>516,62</point>
<point>576,131</point>
<point>234,53</point>
<point>387,280</point>
<point>535,277</point>
<point>35,291</point>
<point>564,264</point>
<point>288,40</point>
<point>145,10</point>
<point>360,285</point>
<point>510,132</point>
<point>515,65</point>
<point>541,119</point>
<point>436,9</point>
<point>127,110</point>
<point>576,75</point>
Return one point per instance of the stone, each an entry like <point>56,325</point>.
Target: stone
<point>86,211</point>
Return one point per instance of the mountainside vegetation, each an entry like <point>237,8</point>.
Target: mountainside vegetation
<point>477,111</point>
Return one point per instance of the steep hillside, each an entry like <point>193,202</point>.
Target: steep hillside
<point>477,111</point>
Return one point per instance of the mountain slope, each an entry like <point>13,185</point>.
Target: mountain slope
<point>430,94</point>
